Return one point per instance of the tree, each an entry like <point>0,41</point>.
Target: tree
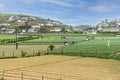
<point>71,28</point>
<point>63,30</point>
<point>44,29</point>
<point>24,27</point>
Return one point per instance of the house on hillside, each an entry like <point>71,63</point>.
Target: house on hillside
<point>111,29</point>
<point>7,30</point>
<point>34,28</point>
<point>5,24</point>
<point>13,18</point>
<point>55,30</point>
<point>77,29</point>
<point>90,32</point>
<point>55,22</point>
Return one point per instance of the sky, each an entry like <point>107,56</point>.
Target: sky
<point>70,12</point>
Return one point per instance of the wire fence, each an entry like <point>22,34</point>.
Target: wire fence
<point>35,72</point>
<point>21,53</point>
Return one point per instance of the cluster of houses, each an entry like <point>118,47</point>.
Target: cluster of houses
<point>36,24</point>
<point>104,26</point>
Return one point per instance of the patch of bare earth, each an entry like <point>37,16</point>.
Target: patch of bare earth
<point>64,67</point>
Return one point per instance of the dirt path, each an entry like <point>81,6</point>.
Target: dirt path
<point>64,67</point>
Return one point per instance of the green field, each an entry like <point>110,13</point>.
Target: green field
<point>56,39</point>
<point>97,47</point>
<point>92,48</point>
<point>4,36</point>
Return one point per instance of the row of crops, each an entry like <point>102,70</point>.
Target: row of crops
<point>40,38</point>
<point>92,48</point>
<point>13,40</point>
<point>56,39</point>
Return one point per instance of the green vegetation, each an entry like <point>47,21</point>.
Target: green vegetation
<point>56,39</point>
<point>51,47</point>
<point>4,36</point>
<point>12,39</point>
<point>92,48</point>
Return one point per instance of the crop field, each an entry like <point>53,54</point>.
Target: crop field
<point>56,39</point>
<point>60,67</point>
<point>3,36</point>
<point>10,50</point>
<point>92,48</point>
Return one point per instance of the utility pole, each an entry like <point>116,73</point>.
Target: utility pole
<point>16,37</point>
<point>26,25</point>
<point>16,40</point>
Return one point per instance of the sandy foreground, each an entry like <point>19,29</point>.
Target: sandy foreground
<point>60,68</point>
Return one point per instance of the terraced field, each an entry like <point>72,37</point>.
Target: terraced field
<point>60,68</point>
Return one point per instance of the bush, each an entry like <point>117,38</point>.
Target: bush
<point>90,37</point>
<point>51,47</point>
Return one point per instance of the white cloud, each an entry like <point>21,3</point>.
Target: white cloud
<point>103,8</point>
<point>57,2</point>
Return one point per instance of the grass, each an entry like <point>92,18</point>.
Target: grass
<point>4,36</point>
<point>92,48</point>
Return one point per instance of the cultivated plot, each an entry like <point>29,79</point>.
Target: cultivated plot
<point>61,67</point>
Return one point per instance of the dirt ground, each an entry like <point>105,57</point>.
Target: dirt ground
<point>60,68</point>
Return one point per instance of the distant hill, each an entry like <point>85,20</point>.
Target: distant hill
<point>20,21</point>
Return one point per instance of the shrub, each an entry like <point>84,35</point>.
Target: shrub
<point>51,47</point>
<point>90,37</point>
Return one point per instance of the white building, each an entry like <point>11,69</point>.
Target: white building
<point>55,30</point>
<point>35,26</point>
<point>5,24</point>
<point>91,32</point>
<point>111,29</point>
<point>7,30</point>
<point>12,18</point>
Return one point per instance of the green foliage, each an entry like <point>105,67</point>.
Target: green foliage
<point>57,39</point>
<point>51,47</point>
<point>63,30</point>
<point>44,30</point>
<point>92,48</point>
<point>13,40</point>
<point>89,37</point>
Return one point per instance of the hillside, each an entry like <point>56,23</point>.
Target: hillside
<point>23,22</point>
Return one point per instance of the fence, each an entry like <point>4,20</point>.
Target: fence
<point>21,76</point>
<point>23,50</point>
<point>14,54</point>
<point>37,72</point>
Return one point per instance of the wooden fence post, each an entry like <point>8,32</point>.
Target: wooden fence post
<point>42,77</point>
<point>13,53</point>
<point>21,76</point>
<point>2,74</point>
<point>3,54</point>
